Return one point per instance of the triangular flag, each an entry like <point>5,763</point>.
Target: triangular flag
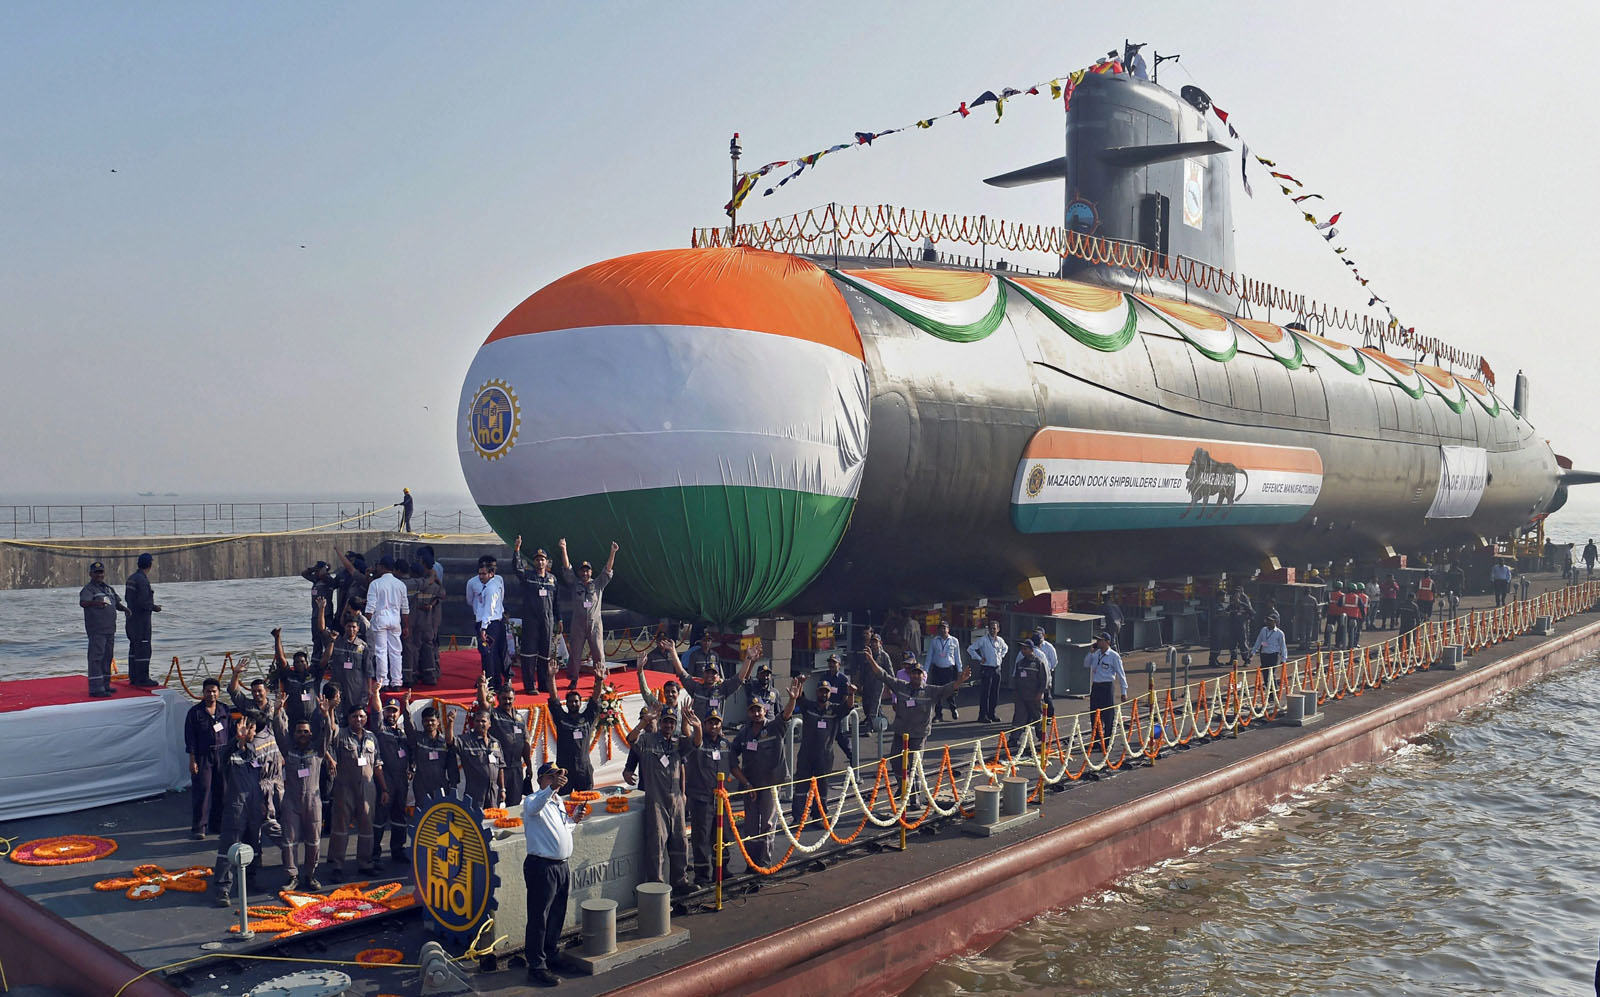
<point>1333,220</point>
<point>925,123</point>
<point>1220,113</point>
<point>1244,168</point>
<point>1264,161</point>
<point>962,110</point>
<point>1055,89</point>
<point>864,138</point>
<point>1307,197</point>
<point>1309,217</point>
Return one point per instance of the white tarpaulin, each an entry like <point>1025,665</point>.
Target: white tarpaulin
<point>1463,473</point>
<point>74,756</point>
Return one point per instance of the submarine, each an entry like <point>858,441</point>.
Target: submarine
<point>767,431</point>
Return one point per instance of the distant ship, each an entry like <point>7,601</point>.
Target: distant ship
<point>763,431</point>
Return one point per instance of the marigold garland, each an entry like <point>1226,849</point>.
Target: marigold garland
<point>379,957</point>
<point>617,805</point>
<point>301,912</point>
<point>65,849</point>
<point>150,881</point>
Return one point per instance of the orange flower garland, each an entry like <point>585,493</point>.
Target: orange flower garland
<point>302,912</point>
<point>66,849</point>
<point>379,957</point>
<point>150,881</point>
<point>617,805</point>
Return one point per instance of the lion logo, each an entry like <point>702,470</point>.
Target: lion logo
<point>1035,482</point>
<point>1209,478</point>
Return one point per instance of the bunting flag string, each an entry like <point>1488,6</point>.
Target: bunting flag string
<point>1060,88</point>
<point>1293,189</point>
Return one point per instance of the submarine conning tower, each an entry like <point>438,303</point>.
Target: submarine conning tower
<point>1143,166</point>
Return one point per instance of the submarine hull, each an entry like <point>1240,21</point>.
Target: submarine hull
<point>779,436</point>
<point>951,421</point>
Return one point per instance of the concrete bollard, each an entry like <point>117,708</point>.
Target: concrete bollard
<point>1013,796</point>
<point>655,909</point>
<point>1309,700</point>
<point>1450,657</point>
<point>1544,626</point>
<point>988,804</point>
<point>599,927</point>
<point>1297,708</point>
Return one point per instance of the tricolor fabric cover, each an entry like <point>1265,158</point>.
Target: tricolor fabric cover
<point>1278,342</point>
<point>1480,393</point>
<point>1098,317</point>
<point>1342,354</point>
<point>958,305</point>
<point>705,408</point>
<point>1205,330</point>
<point>1402,373</point>
<point>1445,385</point>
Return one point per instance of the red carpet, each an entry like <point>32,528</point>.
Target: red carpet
<point>458,683</point>
<point>459,671</point>
<point>25,694</point>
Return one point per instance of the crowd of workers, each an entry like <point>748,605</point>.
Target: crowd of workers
<point>318,735</point>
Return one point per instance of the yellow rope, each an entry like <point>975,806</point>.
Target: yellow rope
<point>188,544</point>
<point>264,958</point>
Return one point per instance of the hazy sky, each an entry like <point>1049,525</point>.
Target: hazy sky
<point>163,327</point>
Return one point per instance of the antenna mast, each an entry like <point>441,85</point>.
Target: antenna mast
<point>733,191</point>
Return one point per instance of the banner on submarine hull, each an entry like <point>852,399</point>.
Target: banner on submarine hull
<point>1074,480</point>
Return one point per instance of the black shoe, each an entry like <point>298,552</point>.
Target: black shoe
<point>367,870</point>
<point>543,978</point>
<point>309,884</point>
<point>223,900</point>
<point>195,834</point>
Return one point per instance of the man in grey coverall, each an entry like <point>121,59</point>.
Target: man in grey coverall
<point>914,703</point>
<point>661,757</point>
<point>583,625</point>
<point>101,604</point>
<point>304,747</point>
<point>141,600</point>
<point>1027,688</point>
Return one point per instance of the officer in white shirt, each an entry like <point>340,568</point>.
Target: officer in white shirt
<point>989,650</point>
<point>486,597</point>
<point>548,830</point>
<point>942,663</point>
<point>1050,661</point>
<point>389,614</point>
<point>1105,671</point>
<point>1271,645</point>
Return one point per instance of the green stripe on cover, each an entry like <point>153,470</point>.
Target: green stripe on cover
<point>969,333</point>
<point>1104,343</point>
<point>1096,516</point>
<point>714,553</point>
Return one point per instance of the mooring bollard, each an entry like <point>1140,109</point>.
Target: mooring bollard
<point>1450,657</point>
<point>1297,708</point>
<point>599,927</point>
<point>655,909</point>
<point>1310,703</point>
<point>1013,796</point>
<point>988,805</point>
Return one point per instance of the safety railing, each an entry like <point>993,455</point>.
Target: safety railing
<point>827,229</point>
<point>46,522</point>
<point>1067,749</point>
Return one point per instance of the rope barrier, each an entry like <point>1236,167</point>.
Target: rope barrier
<point>1210,709</point>
<point>51,545</point>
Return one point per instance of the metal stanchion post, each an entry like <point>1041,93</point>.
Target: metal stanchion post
<point>905,778</point>
<point>722,815</point>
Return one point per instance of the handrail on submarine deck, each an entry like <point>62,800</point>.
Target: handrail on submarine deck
<point>826,230</point>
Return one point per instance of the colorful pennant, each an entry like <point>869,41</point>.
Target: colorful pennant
<point>1058,89</point>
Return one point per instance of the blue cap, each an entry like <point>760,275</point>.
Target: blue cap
<point>145,560</point>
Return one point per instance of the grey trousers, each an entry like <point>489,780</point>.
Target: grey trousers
<point>100,648</point>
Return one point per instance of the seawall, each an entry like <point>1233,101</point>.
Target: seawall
<point>882,943</point>
<point>56,563</point>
